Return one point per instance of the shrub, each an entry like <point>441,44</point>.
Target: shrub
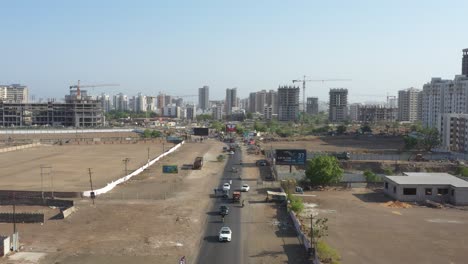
<point>371,177</point>
<point>220,158</point>
<point>296,203</point>
<point>388,171</point>
<point>327,254</point>
<point>463,171</point>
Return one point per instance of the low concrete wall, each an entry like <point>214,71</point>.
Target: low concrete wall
<point>36,201</point>
<point>4,245</point>
<point>21,218</point>
<point>112,185</point>
<point>67,212</point>
<point>2,150</point>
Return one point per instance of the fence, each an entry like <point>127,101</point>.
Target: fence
<point>20,147</point>
<point>396,157</point>
<point>60,131</point>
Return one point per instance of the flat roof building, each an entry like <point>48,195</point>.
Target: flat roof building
<point>422,186</point>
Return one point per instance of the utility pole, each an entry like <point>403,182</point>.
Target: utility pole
<point>312,234</point>
<point>148,155</point>
<point>43,167</point>
<point>126,160</point>
<point>91,183</point>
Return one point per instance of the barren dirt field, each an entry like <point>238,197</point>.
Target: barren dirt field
<point>153,218</point>
<point>342,143</point>
<point>70,163</point>
<point>363,230</point>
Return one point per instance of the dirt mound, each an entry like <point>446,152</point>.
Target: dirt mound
<point>397,204</point>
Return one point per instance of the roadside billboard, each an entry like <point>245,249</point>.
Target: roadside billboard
<point>200,131</point>
<point>170,169</point>
<point>291,156</point>
<point>230,127</point>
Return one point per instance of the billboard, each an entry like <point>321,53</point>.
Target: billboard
<point>170,169</point>
<point>200,131</point>
<point>175,140</point>
<point>291,156</point>
<point>230,127</point>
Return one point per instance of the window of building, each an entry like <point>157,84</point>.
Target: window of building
<point>386,185</point>
<point>442,191</point>
<point>409,191</point>
<point>394,189</point>
<point>428,191</point>
<point>453,192</point>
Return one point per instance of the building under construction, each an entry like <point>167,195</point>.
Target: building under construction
<point>78,110</point>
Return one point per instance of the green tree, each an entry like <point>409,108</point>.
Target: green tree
<point>296,203</point>
<point>366,129</point>
<point>323,170</point>
<point>431,138</point>
<point>217,125</point>
<point>462,171</point>
<point>260,127</point>
<point>249,115</point>
<point>410,142</point>
<point>147,133</point>
<point>204,117</point>
<point>156,134</point>
<point>371,177</point>
<point>341,129</point>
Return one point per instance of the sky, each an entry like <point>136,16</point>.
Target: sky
<point>176,47</point>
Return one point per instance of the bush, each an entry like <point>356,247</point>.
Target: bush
<point>463,171</point>
<point>371,177</point>
<point>327,254</point>
<point>296,204</point>
<point>388,171</point>
<point>323,170</point>
<point>220,158</point>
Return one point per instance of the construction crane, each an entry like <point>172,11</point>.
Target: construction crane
<point>78,87</point>
<point>185,96</point>
<point>304,80</point>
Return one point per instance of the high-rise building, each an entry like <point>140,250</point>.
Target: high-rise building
<point>140,103</point>
<point>338,105</point>
<point>272,100</point>
<point>260,101</point>
<point>453,130</point>
<point>121,102</point>
<point>312,105</point>
<point>171,110</point>
<point>191,112</point>
<point>106,103</point>
<point>252,102</point>
<point>14,93</point>
<point>444,97</point>
<point>231,100</point>
<point>409,105</point>
<point>354,111</point>
<point>217,112</point>
<point>377,113</point>
<point>288,103</point>
<point>204,98</point>
<point>465,62</point>
<point>151,103</point>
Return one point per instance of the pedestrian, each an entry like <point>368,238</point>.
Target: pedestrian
<point>230,182</point>
<point>243,203</point>
<point>215,190</point>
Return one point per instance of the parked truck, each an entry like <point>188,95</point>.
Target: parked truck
<point>342,155</point>
<point>198,163</point>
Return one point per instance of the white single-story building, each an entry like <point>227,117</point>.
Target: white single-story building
<point>422,186</point>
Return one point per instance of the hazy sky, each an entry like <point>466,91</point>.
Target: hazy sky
<point>178,46</point>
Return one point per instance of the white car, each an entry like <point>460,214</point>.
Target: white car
<point>231,152</point>
<point>225,234</point>
<point>245,188</point>
<point>226,187</point>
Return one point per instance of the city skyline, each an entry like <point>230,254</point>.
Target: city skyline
<point>161,47</point>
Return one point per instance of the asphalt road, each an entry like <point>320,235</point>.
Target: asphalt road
<point>213,251</point>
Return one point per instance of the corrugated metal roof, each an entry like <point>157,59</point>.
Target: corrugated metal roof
<point>426,178</point>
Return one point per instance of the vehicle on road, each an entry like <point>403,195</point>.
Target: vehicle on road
<point>225,234</point>
<point>223,210</point>
<point>342,155</point>
<point>226,186</point>
<point>231,152</point>
<point>245,188</point>
<point>236,196</point>
<point>261,163</point>
<point>198,163</point>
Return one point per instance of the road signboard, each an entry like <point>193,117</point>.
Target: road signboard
<point>170,169</point>
<point>200,131</point>
<point>291,156</point>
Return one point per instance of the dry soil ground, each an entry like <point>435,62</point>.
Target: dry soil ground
<point>70,163</point>
<point>341,143</point>
<point>365,231</point>
<point>159,222</point>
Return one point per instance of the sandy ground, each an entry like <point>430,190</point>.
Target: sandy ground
<point>365,231</point>
<point>153,218</point>
<point>341,143</point>
<point>21,170</point>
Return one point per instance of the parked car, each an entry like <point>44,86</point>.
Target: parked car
<point>245,188</point>
<point>261,163</point>
<point>231,152</point>
<point>226,187</point>
<point>225,234</point>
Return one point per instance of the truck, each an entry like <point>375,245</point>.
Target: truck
<point>342,155</point>
<point>198,163</point>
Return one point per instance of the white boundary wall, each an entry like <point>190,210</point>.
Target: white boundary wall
<point>62,131</point>
<point>112,185</point>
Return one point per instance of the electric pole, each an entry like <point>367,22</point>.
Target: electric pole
<point>43,167</point>
<point>91,183</point>
<point>126,160</point>
<point>148,155</point>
